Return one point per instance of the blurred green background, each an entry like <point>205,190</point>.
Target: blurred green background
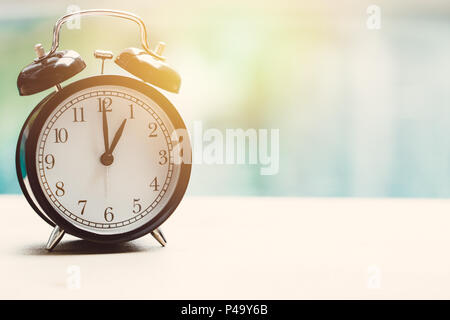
<point>361,112</point>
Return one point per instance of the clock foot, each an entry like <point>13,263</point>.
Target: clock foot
<point>55,237</point>
<point>159,236</point>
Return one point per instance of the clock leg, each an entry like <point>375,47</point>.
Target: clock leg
<point>159,236</point>
<point>55,237</point>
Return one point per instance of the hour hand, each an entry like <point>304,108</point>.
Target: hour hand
<point>107,158</point>
<point>117,137</point>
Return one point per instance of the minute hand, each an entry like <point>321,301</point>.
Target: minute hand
<point>117,137</point>
<point>105,130</point>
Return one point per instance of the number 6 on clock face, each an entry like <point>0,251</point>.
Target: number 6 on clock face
<point>100,158</point>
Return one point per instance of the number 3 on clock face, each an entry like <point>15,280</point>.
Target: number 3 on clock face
<point>103,164</point>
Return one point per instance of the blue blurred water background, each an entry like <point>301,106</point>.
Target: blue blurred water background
<point>361,112</point>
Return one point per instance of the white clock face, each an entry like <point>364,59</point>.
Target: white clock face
<point>128,189</point>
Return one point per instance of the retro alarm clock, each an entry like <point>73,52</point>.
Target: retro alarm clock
<point>97,158</point>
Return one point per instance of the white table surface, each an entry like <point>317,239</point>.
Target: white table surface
<point>242,248</point>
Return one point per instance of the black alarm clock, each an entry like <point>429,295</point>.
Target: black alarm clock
<point>99,158</point>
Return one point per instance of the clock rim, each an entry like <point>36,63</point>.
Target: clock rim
<point>21,154</point>
<point>30,157</point>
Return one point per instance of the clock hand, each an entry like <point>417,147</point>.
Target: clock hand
<point>105,130</point>
<point>107,158</point>
<point>117,137</point>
